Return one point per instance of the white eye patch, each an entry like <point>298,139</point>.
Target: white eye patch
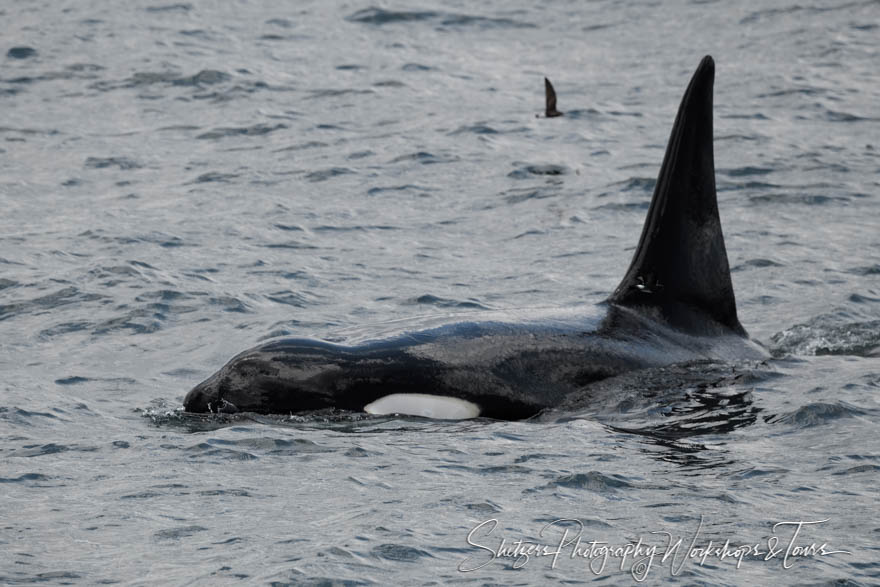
<point>427,406</point>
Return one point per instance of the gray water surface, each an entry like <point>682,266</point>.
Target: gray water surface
<point>179,182</point>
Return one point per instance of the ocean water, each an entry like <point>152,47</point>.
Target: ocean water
<point>181,181</point>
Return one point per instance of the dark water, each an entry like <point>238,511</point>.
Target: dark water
<point>181,181</point>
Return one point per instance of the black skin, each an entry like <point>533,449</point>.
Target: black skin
<point>675,304</point>
<point>511,370</point>
<point>550,110</point>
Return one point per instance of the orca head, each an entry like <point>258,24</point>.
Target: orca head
<point>262,381</point>
<point>205,397</point>
<point>679,273</point>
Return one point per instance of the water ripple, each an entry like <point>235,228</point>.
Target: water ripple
<point>379,17</point>
<point>432,300</point>
<point>527,170</point>
<point>123,163</point>
<point>248,131</point>
<point>592,481</point>
<point>818,414</point>
<point>399,553</point>
<point>21,53</point>
<point>829,335</point>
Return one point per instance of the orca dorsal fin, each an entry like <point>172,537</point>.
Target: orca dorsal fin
<point>680,267</point>
<point>550,100</point>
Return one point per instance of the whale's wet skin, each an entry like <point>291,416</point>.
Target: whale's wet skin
<point>675,304</point>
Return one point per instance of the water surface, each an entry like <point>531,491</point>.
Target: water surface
<point>181,181</point>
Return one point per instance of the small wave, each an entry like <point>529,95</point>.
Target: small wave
<point>415,67</point>
<point>282,23</point>
<point>216,177</point>
<point>496,470</point>
<point>641,184</point>
<point>425,158</point>
<point>49,449</point>
<point>302,146</point>
<point>755,116</point>
<point>485,508</point>
<point>517,195</point>
<point>800,199</point>
<point>746,171</point>
<point>769,13</point>
<point>623,113</point>
<point>180,7</point>
<point>864,271</point>
<point>295,245</point>
<point>530,233</point>
<point>360,155</point>
<point>810,91</point>
<point>357,452</point>
<point>624,206</point>
<point>825,335</point>
<point>836,116</point>
<point>355,228</point>
<point>587,114</point>
<point>205,449</point>
<point>28,131</point>
<point>123,163</point>
<point>477,129</point>
<point>67,74</point>
<point>599,27</point>
<point>755,264</point>
<point>62,297</point>
<point>389,83</point>
<point>379,17</point>
<point>224,492</point>
<point>860,299</point>
<point>72,380</point>
<point>325,174</point>
<point>275,446</point>
<point>26,478</point>
<point>21,417</point>
<point>527,170</point>
<point>294,299</point>
<point>375,191</point>
<point>593,481</point>
<point>21,53</point>
<point>817,414</point>
<point>289,227</point>
<point>178,533</point>
<point>205,77</point>
<point>872,469</point>
<point>148,494</point>
<point>249,131</point>
<point>334,93</point>
<point>138,321</point>
<point>399,553</point>
<point>432,300</point>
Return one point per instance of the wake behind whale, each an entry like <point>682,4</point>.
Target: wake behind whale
<point>675,304</point>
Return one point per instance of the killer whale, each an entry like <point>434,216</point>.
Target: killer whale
<point>550,110</point>
<point>674,304</point>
